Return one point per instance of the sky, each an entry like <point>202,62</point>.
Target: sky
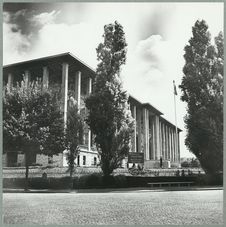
<point>156,34</point>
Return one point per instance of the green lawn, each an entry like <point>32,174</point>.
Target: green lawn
<point>134,207</point>
<point>62,171</point>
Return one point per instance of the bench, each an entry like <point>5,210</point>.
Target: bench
<point>185,183</point>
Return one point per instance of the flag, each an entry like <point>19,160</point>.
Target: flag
<point>175,89</point>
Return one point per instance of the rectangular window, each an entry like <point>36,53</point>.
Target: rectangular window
<point>95,161</point>
<point>84,160</point>
<point>50,159</point>
<point>78,160</point>
<point>32,158</point>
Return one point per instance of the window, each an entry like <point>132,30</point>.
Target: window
<point>95,161</point>
<point>84,160</point>
<point>78,160</point>
<point>32,159</point>
<point>50,159</point>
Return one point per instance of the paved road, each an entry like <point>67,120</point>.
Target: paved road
<point>140,207</point>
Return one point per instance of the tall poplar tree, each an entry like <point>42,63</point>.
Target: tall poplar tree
<point>109,116</point>
<point>202,90</point>
<point>73,135</point>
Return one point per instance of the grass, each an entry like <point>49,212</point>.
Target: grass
<point>140,208</point>
<point>62,172</point>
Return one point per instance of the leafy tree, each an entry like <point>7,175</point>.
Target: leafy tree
<point>73,134</point>
<point>109,116</point>
<point>195,163</point>
<point>202,90</point>
<point>32,121</point>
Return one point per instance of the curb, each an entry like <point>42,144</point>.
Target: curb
<point>113,190</point>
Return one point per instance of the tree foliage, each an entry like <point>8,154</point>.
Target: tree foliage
<point>32,121</point>
<point>109,116</point>
<point>202,90</point>
<point>73,134</point>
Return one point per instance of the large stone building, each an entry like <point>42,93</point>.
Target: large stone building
<point>153,136</point>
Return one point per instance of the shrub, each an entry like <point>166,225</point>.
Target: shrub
<point>89,181</point>
<point>59,183</point>
<point>108,181</point>
<point>13,182</point>
<point>210,180</point>
<point>121,181</point>
<point>185,164</point>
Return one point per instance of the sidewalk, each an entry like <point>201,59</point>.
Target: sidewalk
<point>114,190</point>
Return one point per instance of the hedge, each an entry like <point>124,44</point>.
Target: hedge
<point>99,181</point>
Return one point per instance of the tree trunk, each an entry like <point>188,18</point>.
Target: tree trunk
<point>71,177</point>
<point>106,167</point>
<point>27,171</point>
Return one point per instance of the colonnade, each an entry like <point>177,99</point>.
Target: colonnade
<point>64,88</point>
<point>154,136</point>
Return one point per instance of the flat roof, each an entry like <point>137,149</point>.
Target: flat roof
<point>155,110</point>
<point>63,56</point>
<point>169,123</point>
<point>148,105</point>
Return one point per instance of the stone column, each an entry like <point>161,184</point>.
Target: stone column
<point>89,90</point>
<point>165,134</point>
<point>135,129</point>
<point>175,147</point>
<point>139,130</point>
<point>164,141</point>
<point>160,138</point>
<point>65,67</point>
<point>157,138</point>
<point>153,138</point>
<point>10,80</point>
<point>173,144</point>
<point>173,150</point>
<point>78,88</point>
<point>167,143</point>
<point>27,77</point>
<point>170,142</point>
<point>178,147</point>
<point>146,133</point>
<point>45,77</point>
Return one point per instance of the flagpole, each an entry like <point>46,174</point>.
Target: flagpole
<point>175,112</point>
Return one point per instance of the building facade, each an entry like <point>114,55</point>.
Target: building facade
<point>153,135</point>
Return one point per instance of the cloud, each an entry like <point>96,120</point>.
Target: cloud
<point>15,44</point>
<point>6,17</point>
<point>150,70</point>
<point>45,18</point>
<point>81,39</point>
<point>20,33</point>
<point>148,62</point>
<point>152,50</point>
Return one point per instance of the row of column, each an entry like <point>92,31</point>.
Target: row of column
<point>27,78</point>
<point>64,88</point>
<point>143,133</point>
<point>169,143</point>
<point>153,137</point>
<point>65,68</point>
